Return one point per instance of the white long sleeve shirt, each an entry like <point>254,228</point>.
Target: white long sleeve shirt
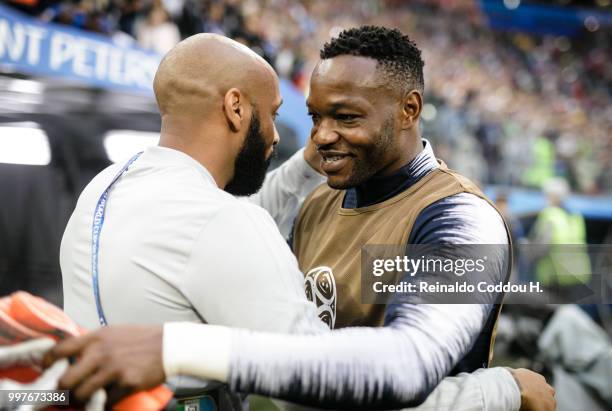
<point>174,247</point>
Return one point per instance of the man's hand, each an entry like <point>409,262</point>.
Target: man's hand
<point>125,359</point>
<point>312,156</point>
<point>536,394</point>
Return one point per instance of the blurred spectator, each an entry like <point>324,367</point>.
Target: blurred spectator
<point>542,166</point>
<point>565,264</point>
<point>158,32</point>
<point>129,10</point>
<point>492,94</point>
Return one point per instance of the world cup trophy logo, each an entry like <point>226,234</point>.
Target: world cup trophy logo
<point>320,287</point>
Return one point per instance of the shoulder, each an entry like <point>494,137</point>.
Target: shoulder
<point>246,232</point>
<point>249,219</point>
<point>98,184</point>
<point>247,211</point>
<point>459,218</point>
<point>203,198</point>
<point>182,187</point>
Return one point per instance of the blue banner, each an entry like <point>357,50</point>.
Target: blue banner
<point>43,49</point>
<point>36,48</point>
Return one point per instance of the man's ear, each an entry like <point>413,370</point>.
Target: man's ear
<point>412,104</point>
<point>235,109</point>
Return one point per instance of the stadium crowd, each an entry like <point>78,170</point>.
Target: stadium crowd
<point>505,108</point>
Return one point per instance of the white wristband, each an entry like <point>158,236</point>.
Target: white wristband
<point>197,350</point>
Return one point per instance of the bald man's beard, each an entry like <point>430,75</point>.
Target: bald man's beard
<point>251,162</point>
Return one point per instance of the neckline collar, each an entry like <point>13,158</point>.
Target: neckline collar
<point>158,155</point>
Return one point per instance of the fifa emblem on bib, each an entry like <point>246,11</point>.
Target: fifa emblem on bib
<point>320,287</point>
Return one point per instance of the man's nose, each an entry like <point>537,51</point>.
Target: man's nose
<point>323,135</point>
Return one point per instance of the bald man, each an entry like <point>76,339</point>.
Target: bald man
<point>160,239</point>
<point>172,243</point>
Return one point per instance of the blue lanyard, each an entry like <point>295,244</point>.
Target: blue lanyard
<point>96,228</point>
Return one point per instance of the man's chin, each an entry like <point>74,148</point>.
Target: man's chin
<point>346,180</point>
<point>338,183</point>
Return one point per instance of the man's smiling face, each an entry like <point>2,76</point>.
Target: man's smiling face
<point>354,120</point>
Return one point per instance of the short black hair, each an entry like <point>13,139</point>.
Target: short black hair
<point>395,52</point>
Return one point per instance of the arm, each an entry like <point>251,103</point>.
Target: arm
<point>361,367</point>
<point>130,358</point>
<point>487,389</point>
<point>286,187</point>
<point>356,367</point>
<point>492,389</point>
<point>391,367</point>
<point>467,219</point>
<point>256,282</point>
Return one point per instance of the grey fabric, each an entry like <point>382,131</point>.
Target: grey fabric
<point>581,351</point>
<point>571,395</point>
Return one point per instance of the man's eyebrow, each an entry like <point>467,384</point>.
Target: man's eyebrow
<point>339,104</point>
<point>346,104</point>
<point>342,104</point>
<point>279,104</point>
